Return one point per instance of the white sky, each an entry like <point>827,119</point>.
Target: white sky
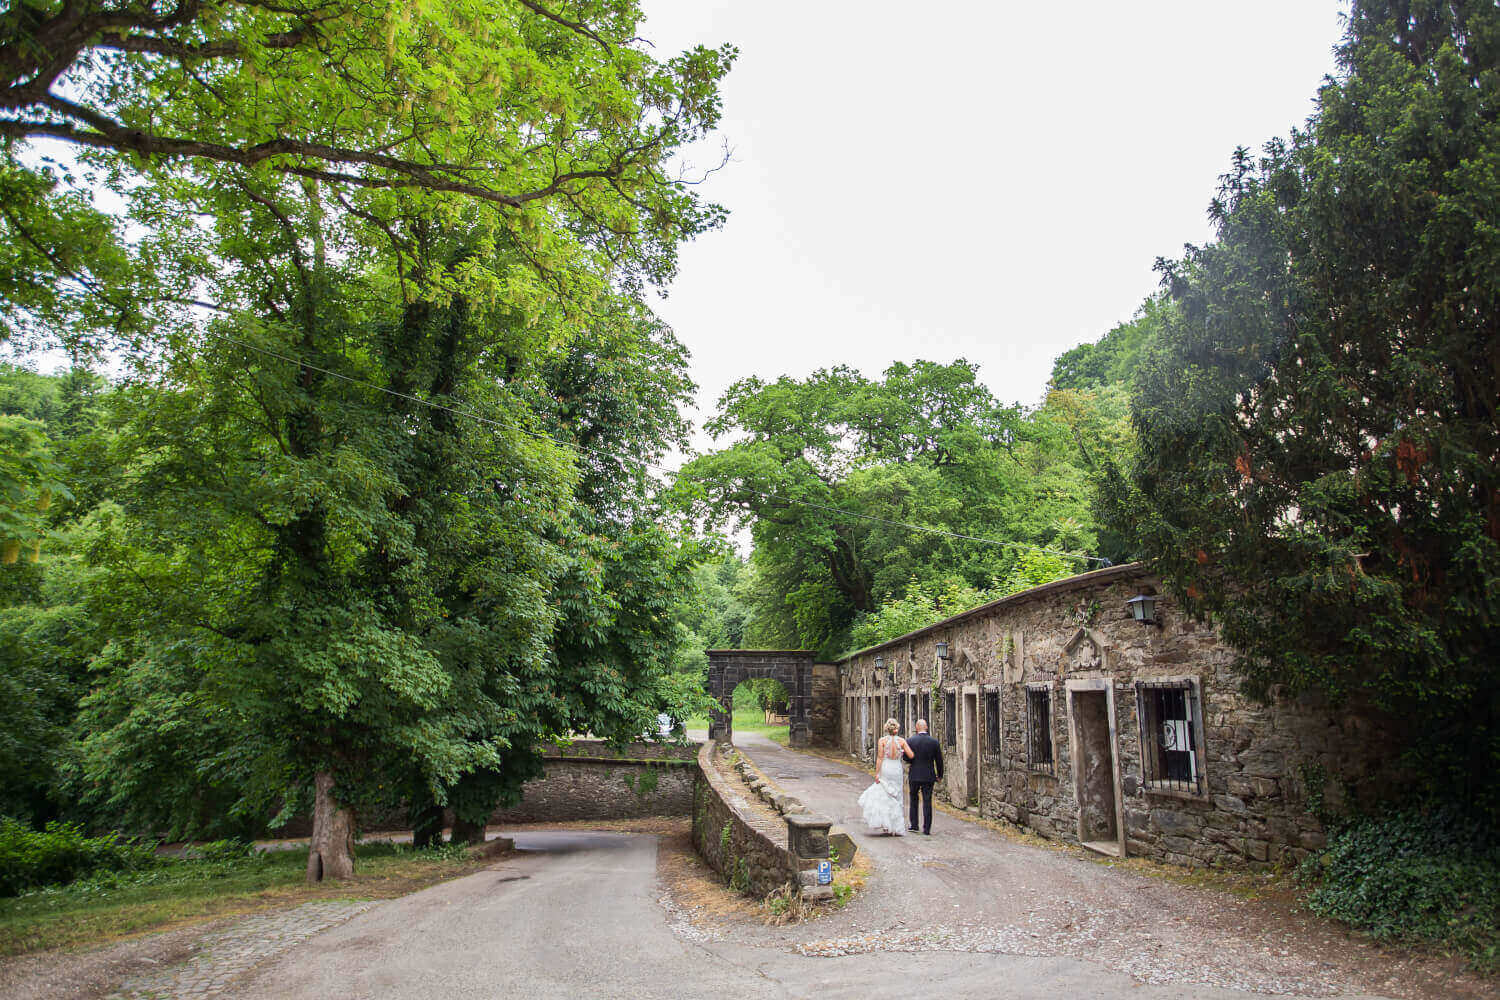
<point>989,181</point>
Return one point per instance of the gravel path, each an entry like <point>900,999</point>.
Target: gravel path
<point>970,889</point>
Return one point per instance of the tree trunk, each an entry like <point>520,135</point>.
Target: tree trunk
<point>427,826</point>
<point>465,832</point>
<point>331,851</point>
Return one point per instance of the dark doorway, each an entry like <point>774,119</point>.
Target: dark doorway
<point>971,747</point>
<point>1095,769</point>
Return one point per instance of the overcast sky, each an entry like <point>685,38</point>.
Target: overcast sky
<point>982,180</point>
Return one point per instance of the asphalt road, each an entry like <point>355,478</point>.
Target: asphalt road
<point>576,914</point>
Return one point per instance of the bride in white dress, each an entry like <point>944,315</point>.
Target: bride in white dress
<point>881,802</point>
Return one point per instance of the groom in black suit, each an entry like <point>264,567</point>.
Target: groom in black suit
<point>926,768</point>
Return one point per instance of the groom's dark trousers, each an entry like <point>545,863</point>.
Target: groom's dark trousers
<point>926,769</point>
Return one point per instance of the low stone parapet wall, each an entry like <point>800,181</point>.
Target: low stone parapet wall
<point>730,837</point>
<point>588,780</point>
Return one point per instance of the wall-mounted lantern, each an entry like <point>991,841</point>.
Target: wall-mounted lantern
<point>879,663</point>
<point>942,650</point>
<point>1142,608</point>
<point>879,670</point>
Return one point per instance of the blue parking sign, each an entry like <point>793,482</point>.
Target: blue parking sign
<point>825,872</point>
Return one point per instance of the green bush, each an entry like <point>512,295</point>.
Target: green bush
<point>1413,877</point>
<point>60,854</point>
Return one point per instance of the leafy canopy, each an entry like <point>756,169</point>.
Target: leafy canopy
<point>1319,425</point>
<point>829,471</point>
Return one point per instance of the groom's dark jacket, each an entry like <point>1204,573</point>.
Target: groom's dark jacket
<point>927,760</point>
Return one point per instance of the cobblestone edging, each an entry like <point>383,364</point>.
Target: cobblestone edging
<point>226,956</point>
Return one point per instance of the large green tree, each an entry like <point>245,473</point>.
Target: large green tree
<point>546,125</point>
<point>829,471</point>
<point>1319,428</point>
<point>345,540</point>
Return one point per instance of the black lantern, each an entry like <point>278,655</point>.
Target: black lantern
<point>942,650</point>
<point>1142,608</point>
<point>879,663</point>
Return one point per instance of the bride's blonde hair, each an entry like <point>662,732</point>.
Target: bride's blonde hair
<point>891,727</point>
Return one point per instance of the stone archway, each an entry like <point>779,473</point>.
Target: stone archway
<point>792,667</point>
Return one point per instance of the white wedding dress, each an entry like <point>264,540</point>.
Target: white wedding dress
<point>881,802</point>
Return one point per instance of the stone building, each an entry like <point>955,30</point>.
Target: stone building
<point>1060,712</point>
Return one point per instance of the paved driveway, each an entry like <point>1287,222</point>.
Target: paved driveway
<point>970,889</point>
<point>966,912</point>
<point>575,914</point>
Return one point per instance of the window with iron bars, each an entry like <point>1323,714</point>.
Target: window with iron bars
<point>992,722</point>
<point>901,711</point>
<point>1170,714</point>
<point>926,712</point>
<point>1039,728</point>
<point>950,719</point>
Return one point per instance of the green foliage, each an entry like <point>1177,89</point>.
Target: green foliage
<point>109,903</point>
<point>724,839</point>
<point>374,511</point>
<point>739,879</point>
<point>1318,425</point>
<point>1118,355</point>
<point>59,854</point>
<point>712,612</point>
<point>766,693</point>
<point>546,134</point>
<point>921,605</point>
<point>924,603</point>
<point>644,784</point>
<point>29,479</point>
<point>1428,877</point>
<point>928,445</point>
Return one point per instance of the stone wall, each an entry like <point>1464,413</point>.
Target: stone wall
<point>1225,780</point>
<point>793,668</point>
<point>754,861</point>
<point>590,780</point>
<point>823,712</point>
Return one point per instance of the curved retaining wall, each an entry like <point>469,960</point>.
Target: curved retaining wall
<point>750,859</point>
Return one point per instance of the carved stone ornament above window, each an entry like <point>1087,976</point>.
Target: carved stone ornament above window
<point>1086,651</point>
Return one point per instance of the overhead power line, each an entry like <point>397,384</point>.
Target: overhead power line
<point>642,463</point>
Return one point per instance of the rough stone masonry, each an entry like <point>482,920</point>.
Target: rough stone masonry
<point>1060,712</point>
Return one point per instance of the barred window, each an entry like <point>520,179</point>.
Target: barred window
<point>926,707</point>
<point>992,722</point>
<point>901,711</point>
<point>950,719</point>
<point>1039,728</point>
<point>1170,714</point>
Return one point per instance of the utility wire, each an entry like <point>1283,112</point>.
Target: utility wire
<point>642,463</point>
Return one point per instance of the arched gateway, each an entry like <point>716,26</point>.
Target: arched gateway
<point>792,667</point>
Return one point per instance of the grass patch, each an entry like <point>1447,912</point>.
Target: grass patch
<point>747,719</point>
<point>111,905</point>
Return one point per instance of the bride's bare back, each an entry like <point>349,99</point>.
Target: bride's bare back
<point>894,748</point>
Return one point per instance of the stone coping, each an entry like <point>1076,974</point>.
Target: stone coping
<point>648,761</point>
<point>590,748</point>
<point>738,799</point>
